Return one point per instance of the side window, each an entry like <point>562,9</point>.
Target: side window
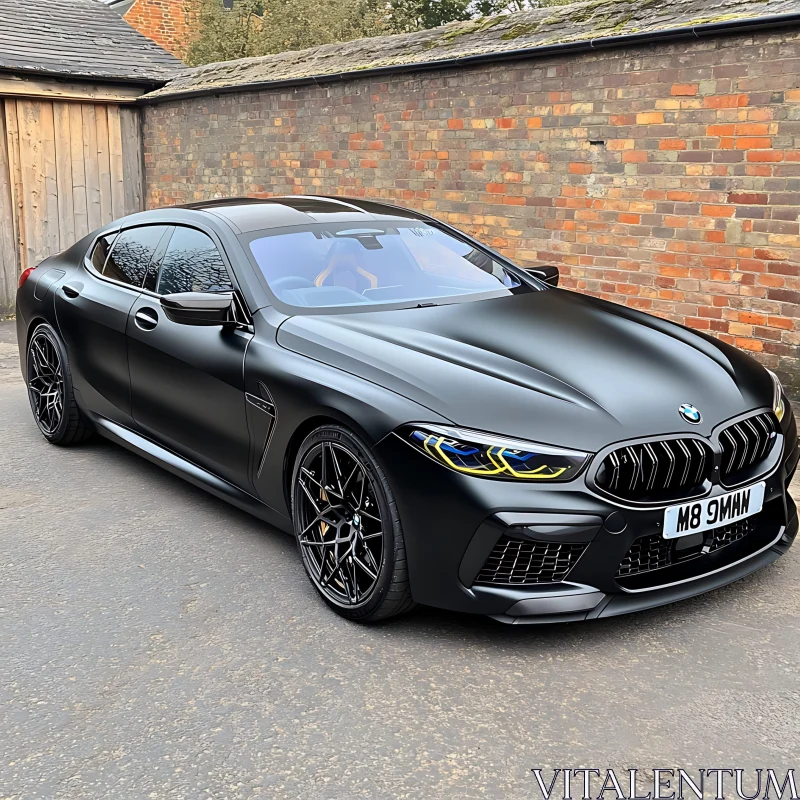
<point>101,250</point>
<point>132,252</point>
<point>192,263</point>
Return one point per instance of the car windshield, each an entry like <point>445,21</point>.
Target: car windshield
<point>400,262</point>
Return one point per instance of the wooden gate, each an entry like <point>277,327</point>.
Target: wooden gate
<point>66,168</point>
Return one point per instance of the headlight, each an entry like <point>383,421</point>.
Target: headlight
<point>489,456</point>
<point>777,399</point>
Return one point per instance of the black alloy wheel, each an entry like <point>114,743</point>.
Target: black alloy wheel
<point>45,382</point>
<point>50,389</point>
<point>347,528</point>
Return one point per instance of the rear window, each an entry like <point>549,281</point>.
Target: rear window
<point>101,250</point>
<point>131,254</point>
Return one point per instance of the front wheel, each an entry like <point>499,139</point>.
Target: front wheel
<point>347,527</point>
<point>50,389</point>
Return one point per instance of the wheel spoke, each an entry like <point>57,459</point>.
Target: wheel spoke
<point>337,471</point>
<point>310,497</point>
<point>366,569</point>
<point>335,569</point>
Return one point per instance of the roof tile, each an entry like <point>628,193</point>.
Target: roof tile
<point>78,39</point>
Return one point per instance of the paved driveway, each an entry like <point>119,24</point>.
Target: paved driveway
<point>156,643</point>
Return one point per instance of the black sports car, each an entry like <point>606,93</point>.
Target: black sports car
<point>432,423</point>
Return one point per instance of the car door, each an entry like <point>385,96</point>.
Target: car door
<point>187,382</point>
<point>92,308</point>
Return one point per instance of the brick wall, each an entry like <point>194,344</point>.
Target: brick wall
<point>664,177</point>
<point>169,23</point>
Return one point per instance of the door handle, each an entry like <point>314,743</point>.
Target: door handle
<point>70,291</point>
<point>146,319</point>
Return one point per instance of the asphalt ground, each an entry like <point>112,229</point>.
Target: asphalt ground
<point>157,643</point>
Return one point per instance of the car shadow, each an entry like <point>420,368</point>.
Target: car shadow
<point>448,628</point>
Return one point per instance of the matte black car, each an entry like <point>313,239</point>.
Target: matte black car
<point>431,422</point>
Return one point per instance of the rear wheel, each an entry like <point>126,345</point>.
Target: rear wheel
<point>50,389</point>
<point>347,527</point>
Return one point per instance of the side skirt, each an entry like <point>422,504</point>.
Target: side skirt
<point>189,472</point>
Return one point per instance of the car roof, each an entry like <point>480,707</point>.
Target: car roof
<point>248,214</point>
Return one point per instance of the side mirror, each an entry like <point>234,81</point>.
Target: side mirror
<point>199,308</point>
<point>548,274</point>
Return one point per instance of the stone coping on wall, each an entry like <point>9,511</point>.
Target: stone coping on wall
<point>595,22</point>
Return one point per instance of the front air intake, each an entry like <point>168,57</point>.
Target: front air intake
<point>521,562</point>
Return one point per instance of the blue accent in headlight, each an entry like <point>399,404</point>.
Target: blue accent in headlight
<point>487,456</point>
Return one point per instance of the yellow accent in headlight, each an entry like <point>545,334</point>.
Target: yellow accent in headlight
<point>447,460</point>
<point>495,454</point>
<point>534,474</point>
<point>780,409</point>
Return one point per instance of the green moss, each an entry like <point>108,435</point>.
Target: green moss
<point>473,26</point>
<point>720,18</point>
<point>521,29</point>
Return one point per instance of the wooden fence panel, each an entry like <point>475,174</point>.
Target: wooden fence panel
<point>9,260</point>
<point>66,200</point>
<point>132,166</point>
<point>66,168</point>
<point>79,206</point>
<point>103,165</point>
<point>115,163</point>
<point>91,167</point>
<point>32,163</point>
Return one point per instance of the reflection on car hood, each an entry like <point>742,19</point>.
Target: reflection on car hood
<point>551,366</point>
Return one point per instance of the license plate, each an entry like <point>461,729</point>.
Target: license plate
<point>713,512</point>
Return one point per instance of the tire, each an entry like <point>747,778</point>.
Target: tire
<point>59,419</point>
<point>325,472</point>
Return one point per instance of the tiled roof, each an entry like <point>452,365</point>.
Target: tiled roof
<point>78,39</point>
<point>589,20</point>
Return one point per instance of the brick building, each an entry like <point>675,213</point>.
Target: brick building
<point>169,23</point>
<point>651,150</point>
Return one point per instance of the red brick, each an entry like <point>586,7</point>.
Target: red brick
<point>650,118</point>
<point>765,155</point>
<point>726,101</point>
<point>717,211</point>
<point>747,198</point>
<point>753,143</point>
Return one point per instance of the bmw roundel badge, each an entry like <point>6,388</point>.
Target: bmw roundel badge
<point>690,413</point>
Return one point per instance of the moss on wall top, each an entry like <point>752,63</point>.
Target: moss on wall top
<point>576,22</point>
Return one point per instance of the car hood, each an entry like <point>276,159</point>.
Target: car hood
<point>551,366</point>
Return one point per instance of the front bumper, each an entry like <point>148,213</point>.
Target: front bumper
<point>452,523</point>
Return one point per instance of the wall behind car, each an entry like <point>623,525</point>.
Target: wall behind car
<point>665,176</point>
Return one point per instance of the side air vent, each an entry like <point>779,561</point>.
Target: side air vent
<point>745,444</point>
<point>655,471</point>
